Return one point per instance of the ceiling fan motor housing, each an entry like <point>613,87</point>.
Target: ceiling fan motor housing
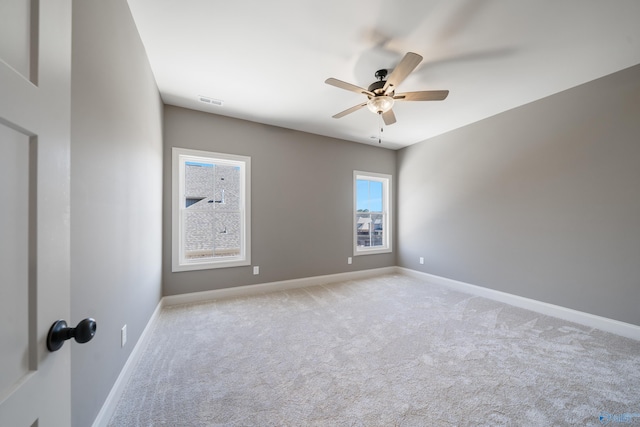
<point>378,88</point>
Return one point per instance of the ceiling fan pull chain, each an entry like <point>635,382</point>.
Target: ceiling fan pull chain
<point>380,127</point>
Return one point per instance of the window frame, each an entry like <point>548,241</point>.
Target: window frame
<point>387,198</point>
<point>179,157</point>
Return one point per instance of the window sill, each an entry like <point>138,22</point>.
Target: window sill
<point>372,251</point>
<point>209,265</point>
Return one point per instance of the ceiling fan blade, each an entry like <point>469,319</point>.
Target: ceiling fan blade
<point>349,110</point>
<point>348,86</point>
<point>389,118</point>
<point>402,70</point>
<point>425,95</point>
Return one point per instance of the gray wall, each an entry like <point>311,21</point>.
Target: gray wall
<point>542,201</point>
<point>302,189</point>
<point>116,196</point>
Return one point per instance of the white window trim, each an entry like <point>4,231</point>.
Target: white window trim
<point>387,206</point>
<point>178,264</point>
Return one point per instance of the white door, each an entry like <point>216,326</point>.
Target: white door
<point>35,64</point>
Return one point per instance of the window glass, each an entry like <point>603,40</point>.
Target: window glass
<point>372,213</point>
<point>211,195</point>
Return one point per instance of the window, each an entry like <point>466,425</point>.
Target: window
<point>372,213</point>
<point>210,210</point>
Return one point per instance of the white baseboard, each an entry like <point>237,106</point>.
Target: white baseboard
<point>109,406</point>
<point>262,288</point>
<point>591,320</point>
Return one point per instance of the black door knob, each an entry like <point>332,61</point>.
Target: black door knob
<point>60,332</point>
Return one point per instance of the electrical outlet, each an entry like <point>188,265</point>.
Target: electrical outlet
<point>123,336</point>
<point>421,260</point>
<point>349,260</point>
<point>256,270</point>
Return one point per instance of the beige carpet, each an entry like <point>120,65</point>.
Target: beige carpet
<point>388,351</point>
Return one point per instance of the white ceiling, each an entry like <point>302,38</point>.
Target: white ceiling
<point>268,60</point>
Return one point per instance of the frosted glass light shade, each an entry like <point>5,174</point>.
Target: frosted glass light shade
<point>380,104</point>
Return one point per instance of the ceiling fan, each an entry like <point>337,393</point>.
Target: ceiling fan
<point>382,94</point>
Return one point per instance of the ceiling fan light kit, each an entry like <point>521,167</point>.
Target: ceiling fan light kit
<point>380,104</point>
<point>381,94</point>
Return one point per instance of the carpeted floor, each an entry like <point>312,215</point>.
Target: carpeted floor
<point>387,351</point>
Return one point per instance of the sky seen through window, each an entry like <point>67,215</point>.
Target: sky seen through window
<point>368,195</point>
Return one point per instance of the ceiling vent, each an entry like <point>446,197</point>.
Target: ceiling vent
<point>210,101</point>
